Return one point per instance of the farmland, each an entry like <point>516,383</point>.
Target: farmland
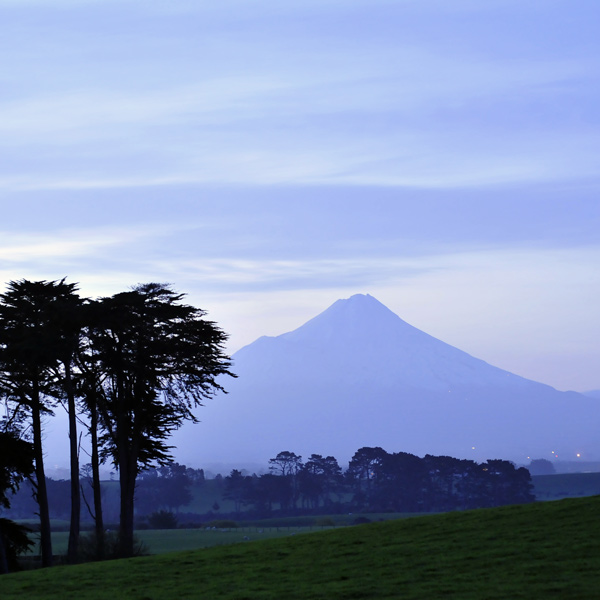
<point>540,550</point>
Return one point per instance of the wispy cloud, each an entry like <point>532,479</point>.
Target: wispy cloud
<point>107,249</point>
<point>67,243</point>
<point>523,298</point>
<point>402,114</point>
<point>419,83</point>
<point>85,114</point>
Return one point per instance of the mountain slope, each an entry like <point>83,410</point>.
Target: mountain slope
<point>358,375</point>
<point>366,341</point>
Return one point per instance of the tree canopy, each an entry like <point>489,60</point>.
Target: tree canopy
<point>36,333</point>
<point>135,365</point>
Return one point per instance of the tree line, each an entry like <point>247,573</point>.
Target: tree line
<point>378,481</point>
<point>129,369</point>
<point>166,488</point>
<point>374,481</point>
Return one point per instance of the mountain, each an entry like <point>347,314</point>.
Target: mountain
<point>358,375</point>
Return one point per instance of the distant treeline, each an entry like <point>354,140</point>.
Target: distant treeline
<point>375,481</point>
<point>166,488</point>
<point>379,481</point>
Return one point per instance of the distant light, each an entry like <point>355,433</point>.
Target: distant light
<point>556,456</point>
<point>472,447</point>
<point>578,455</point>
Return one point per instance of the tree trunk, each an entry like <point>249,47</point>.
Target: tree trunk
<point>73,547</point>
<point>98,516</point>
<point>127,477</point>
<point>127,463</point>
<point>3,555</point>
<point>41,491</point>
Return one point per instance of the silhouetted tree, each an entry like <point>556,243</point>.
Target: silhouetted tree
<point>30,358</point>
<point>160,359</point>
<point>363,472</point>
<point>404,482</point>
<point>471,486</point>
<point>195,476</point>
<point>163,488</point>
<point>267,491</point>
<point>67,321</point>
<point>506,484</point>
<point>239,488</point>
<point>287,465</point>
<point>93,394</point>
<point>16,463</point>
<point>319,478</point>
<point>541,466</point>
<point>444,473</point>
<point>276,489</point>
<point>90,477</point>
<point>401,481</point>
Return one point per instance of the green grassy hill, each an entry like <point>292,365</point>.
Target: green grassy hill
<point>543,550</point>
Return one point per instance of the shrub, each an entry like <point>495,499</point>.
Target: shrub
<point>16,542</point>
<point>162,519</point>
<point>89,548</point>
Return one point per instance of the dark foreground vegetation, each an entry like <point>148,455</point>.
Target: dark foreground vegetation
<point>130,367</point>
<point>542,550</point>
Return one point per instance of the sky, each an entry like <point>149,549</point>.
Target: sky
<point>267,158</point>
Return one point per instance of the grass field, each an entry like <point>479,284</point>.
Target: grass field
<point>172,540</point>
<point>159,541</point>
<point>543,550</point>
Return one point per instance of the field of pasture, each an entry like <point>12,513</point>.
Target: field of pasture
<point>542,550</point>
<point>159,541</point>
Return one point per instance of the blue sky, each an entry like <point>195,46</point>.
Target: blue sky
<point>271,157</point>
